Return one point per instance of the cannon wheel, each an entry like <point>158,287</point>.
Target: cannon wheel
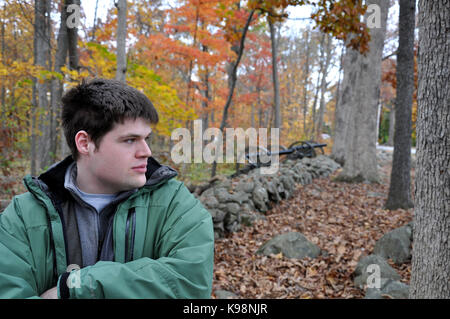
<point>309,151</point>
<point>254,161</point>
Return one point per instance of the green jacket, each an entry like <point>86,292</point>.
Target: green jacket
<point>171,243</point>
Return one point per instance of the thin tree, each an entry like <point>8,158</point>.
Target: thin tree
<point>276,85</point>
<point>232,82</point>
<point>431,251</point>
<point>121,40</point>
<point>400,186</point>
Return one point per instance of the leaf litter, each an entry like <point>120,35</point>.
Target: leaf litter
<point>343,219</point>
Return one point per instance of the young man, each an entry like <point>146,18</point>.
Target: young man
<point>108,221</point>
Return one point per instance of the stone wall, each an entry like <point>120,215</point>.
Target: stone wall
<point>237,201</point>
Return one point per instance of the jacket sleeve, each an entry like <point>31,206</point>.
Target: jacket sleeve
<point>17,268</point>
<point>183,270</point>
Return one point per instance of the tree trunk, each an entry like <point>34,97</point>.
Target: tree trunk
<point>400,186</point>
<point>121,40</point>
<point>360,136</point>
<point>276,89</point>
<point>94,27</point>
<point>338,92</point>
<point>306,80</point>
<point>3,89</point>
<point>431,251</point>
<point>72,51</point>
<point>232,82</point>
<point>323,88</point>
<point>347,96</point>
<point>56,85</point>
<point>390,141</point>
<point>72,35</point>
<point>41,51</point>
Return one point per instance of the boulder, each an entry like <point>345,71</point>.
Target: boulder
<point>361,272</point>
<point>222,194</point>
<point>209,201</point>
<point>291,245</point>
<point>389,289</point>
<point>218,215</point>
<point>395,245</point>
<point>260,198</point>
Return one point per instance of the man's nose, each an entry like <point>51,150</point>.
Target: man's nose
<point>144,150</point>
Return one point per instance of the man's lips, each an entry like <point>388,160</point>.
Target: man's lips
<point>140,168</point>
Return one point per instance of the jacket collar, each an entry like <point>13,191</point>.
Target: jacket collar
<point>53,179</point>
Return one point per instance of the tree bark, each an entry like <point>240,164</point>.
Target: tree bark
<point>276,89</point>
<point>343,108</point>
<point>390,141</point>
<point>121,40</point>
<point>323,88</point>
<point>431,251</point>
<point>306,80</point>
<point>56,85</point>
<point>3,89</point>
<point>400,186</point>
<point>41,50</point>
<point>72,35</point>
<point>360,136</point>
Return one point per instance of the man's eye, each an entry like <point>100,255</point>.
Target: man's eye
<point>129,141</point>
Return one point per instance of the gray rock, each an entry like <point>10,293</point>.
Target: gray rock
<point>233,208</point>
<point>245,186</point>
<point>208,192</point>
<point>260,198</point>
<point>361,272</point>
<point>218,215</point>
<point>291,245</point>
<point>239,197</point>
<point>395,245</point>
<point>222,195</point>
<point>209,201</point>
<point>389,289</point>
<point>272,190</point>
<point>248,218</point>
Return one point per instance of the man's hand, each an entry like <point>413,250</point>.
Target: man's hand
<point>52,293</point>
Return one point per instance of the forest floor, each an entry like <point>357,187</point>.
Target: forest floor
<point>344,219</point>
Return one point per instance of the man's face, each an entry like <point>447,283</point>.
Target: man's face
<point>120,161</point>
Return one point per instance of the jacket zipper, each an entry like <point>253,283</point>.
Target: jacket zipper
<point>129,237</point>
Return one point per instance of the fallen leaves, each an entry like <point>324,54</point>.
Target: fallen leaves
<point>339,217</point>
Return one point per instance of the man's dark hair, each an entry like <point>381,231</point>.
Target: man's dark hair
<point>97,106</point>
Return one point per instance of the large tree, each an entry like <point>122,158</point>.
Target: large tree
<point>359,101</point>
<point>400,186</point>
<point>431,251</point>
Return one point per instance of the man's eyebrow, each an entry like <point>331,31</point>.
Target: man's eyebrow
<point>134,135</point>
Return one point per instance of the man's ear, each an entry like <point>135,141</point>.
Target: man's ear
<point>83,142</point>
